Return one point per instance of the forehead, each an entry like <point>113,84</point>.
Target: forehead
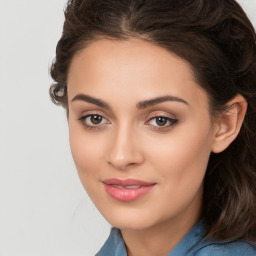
<point>107,68</point>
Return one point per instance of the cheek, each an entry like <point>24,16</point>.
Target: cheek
<point>86,152</point>
<point>183,154</point>
<point>180,161</point>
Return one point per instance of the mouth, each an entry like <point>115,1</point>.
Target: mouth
<point>127,190</point>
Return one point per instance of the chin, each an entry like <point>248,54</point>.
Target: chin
<point>130,218</point>
<point>131,224</point>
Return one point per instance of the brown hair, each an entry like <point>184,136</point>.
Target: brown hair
<point>218,40</point>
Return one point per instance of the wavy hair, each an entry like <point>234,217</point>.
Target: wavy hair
<point>218,40</point>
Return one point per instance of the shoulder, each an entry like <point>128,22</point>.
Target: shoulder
<point>236,248</point>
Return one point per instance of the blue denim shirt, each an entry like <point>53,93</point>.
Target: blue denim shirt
<point>192,244</point>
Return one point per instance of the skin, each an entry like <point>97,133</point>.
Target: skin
<point>129,142</point>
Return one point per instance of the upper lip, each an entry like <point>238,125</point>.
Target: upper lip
<point>127,182</point>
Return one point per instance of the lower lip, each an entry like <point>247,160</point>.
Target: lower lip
<point>127,194</point>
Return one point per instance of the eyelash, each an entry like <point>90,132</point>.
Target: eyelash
<point>171,122</point>
<point>90,127</point>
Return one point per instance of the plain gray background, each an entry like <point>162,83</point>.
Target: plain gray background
<point>44,209</point>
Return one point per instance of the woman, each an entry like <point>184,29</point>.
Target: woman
<point>161,104</point>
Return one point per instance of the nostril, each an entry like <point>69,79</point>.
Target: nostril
<point>122,163</point>
<point>132,164</point>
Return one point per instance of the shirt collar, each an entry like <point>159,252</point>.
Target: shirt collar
<point>114,246</point>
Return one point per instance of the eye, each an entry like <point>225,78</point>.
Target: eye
<point>162,121</point>
<point>93,121</point>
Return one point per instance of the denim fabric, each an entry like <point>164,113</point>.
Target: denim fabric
<point>192,244</point>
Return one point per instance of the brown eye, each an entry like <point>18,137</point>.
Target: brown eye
<point>161,121</point>
<point>93,121</point>
<point>96,119</point>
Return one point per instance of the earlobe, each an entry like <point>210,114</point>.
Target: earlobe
<point>228,124</point>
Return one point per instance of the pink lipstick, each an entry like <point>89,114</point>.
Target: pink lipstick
<point>127,190</point>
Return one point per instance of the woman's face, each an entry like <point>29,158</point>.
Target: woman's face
<point>140,132</point>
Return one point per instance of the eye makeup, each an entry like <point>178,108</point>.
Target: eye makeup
<point>157,122</point>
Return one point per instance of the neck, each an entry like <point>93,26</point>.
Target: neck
<point>160,239</point>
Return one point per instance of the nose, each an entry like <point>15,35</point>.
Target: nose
<point>125,149</point>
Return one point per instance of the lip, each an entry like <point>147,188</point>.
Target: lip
<point>116,189</point>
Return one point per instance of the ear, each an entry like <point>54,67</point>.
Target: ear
<point>227,126</point>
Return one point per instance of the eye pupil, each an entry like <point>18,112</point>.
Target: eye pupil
<point>96,119</point>
<point>161,121</point>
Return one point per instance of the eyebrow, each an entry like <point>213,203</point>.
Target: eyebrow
<point>152,102</point>
<point>139,105</point>
<point>95,101</point>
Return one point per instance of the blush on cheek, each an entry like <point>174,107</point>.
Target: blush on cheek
<point>80,153</point>
<point>184,155</point>
<point>86,154</point>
